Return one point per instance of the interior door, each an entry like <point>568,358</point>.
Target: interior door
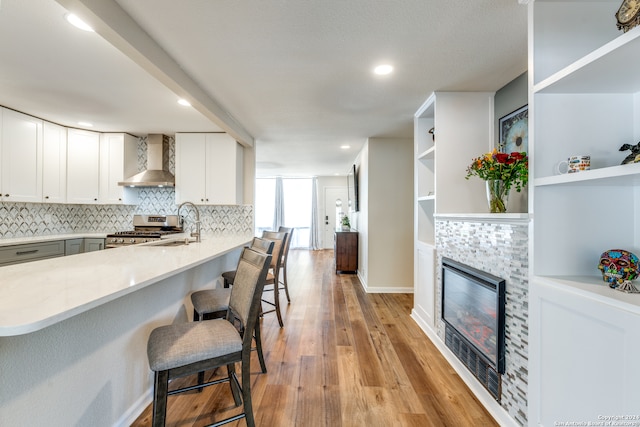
<point>335,201</point>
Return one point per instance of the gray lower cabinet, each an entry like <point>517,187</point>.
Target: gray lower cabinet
<point>17,254</point>
<point>73,246</point>
<point>78,246</point>
<point>93,244</point>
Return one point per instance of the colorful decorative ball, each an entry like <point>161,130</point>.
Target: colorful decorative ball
<point>617,266</point>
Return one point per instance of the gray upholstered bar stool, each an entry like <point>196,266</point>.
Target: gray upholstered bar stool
<point>213,303</point>
<point>183,349</point>
<point>274,272</point>
<point>285,257</point>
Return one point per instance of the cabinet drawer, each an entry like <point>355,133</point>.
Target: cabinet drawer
<point>31,252</point>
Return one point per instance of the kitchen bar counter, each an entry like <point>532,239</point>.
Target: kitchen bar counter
<point>38,294</point>
<point>74,330</point>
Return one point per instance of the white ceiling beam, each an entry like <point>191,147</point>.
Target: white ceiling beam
<point>109,20</point>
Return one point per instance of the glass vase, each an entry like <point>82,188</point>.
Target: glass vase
<point>497,196</point>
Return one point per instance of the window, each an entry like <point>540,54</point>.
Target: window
<point>297,207</point>
<point>265,204</point>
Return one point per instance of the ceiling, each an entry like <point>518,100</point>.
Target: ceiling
<point>293,77</point>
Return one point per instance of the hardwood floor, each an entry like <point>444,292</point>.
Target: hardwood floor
<point>343,358</point>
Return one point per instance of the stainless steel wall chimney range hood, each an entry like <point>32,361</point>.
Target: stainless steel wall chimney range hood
<point>157,173</point>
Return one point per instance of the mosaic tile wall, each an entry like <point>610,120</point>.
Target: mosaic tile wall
<point>36,219</point>
<point>502,250</point>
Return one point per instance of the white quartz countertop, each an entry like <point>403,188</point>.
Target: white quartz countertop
<point>38,294</point>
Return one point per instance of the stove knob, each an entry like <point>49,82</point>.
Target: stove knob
<point>132,240</point>
<point>120,240</point>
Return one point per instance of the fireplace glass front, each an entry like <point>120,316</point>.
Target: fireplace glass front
<point>473,304</point>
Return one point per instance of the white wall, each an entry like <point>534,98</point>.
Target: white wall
<point>385,220</point>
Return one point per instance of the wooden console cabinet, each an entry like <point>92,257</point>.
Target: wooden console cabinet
<point>346,251</point>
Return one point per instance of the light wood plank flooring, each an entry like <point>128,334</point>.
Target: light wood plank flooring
<point>343,358</point>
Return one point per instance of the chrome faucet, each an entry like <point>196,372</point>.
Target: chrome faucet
<point>197,233</point>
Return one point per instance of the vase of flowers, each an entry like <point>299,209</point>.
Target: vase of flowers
<point>502,172</point>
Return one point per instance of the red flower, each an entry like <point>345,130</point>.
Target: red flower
<point>502,157</point>
<point>512,168</point>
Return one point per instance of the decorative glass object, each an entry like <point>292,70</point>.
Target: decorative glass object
<point>497,195</point>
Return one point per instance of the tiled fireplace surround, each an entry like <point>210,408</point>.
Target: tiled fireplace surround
<point>37,219</point>
<point>496,245</point>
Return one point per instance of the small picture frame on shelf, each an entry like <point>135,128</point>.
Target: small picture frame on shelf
<point>514,131</point>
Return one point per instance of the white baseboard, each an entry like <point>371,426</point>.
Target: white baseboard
<point>384,289</point>
<point>495,409</point>
<point>135,410</point>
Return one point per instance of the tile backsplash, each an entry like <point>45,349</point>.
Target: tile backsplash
<point>37,219</point>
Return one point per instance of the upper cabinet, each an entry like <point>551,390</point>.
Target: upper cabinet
<point>54,164</point>
<point>118,154</point>
<point>83,166</point>
<point>209,169</point>
<point>20,157</point>
<point>96,163</point>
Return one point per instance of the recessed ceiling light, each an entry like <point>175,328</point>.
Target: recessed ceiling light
<point>77,22</point>
<point>184,102</point>
<point>383,70</point>
<point>345,147</point>
<point>86,124</point>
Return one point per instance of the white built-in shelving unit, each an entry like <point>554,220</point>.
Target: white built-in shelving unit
<point>425,150</point>
<point>463,129</point>
<point>584,100</point>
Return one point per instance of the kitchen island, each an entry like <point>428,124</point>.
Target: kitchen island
<point>73,330</point>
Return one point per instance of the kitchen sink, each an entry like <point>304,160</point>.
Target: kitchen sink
<point>181,242</point>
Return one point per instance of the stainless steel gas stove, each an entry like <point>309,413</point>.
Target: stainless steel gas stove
<point>146,228</point>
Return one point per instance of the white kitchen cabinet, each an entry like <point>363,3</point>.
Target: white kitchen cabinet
<point>54,164</point>
<point>585,100</point>
<point>209,169</point>
<point>83,166</point>
<point>20,157</point>
<point>118,154</point>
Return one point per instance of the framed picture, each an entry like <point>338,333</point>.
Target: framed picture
<point>514,131</point>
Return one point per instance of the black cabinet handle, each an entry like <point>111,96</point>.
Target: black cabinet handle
<point>33,251</point>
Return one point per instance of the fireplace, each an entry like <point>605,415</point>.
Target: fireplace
<point>473,310</point>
